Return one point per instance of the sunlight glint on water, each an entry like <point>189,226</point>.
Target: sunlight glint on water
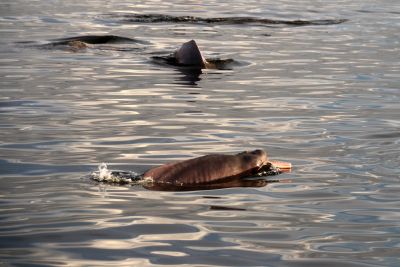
<point>323,97</point>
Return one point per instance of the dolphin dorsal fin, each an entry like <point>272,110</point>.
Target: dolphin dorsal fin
<point>189,54</point>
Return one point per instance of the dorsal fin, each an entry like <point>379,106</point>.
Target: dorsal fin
<point>189,54</point>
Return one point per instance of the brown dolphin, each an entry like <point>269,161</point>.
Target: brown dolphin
<point>212,169</point>
<point>226,183</point>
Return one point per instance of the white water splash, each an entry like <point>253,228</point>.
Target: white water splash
<point>104,173</point>
<point>112,176</point>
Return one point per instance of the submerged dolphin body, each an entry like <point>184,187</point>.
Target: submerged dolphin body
<point>101,42</point>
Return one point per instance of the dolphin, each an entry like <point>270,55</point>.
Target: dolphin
<point>202,173</point>
<point>214,168</point>
<point>190,55</point>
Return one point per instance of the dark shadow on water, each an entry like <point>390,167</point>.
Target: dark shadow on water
<point>214,207</point>
<point>191,74</point>
<point>98,39</point>
<point>134,179</point>
<point>237,182</point>
<point>388,135</point>
<point>162,18</point>
<point>215,63</point>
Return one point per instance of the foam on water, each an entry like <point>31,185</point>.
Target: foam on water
<point>115,176</point>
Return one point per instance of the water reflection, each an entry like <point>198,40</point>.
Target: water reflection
<point>324,97</point>
<point>209,186</point>
<point>192,75</point>
<point>189,76</point>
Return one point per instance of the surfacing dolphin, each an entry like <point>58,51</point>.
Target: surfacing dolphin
<point>189,56</point>
<point>212,171</point>
<point>102,42</point>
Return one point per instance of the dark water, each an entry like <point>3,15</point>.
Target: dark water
<point>324,97</point>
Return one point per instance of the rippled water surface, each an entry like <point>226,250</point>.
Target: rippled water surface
<point>324,96</point>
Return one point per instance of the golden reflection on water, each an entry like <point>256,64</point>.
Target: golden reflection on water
<point>175,236</point>
<point>322,97</point>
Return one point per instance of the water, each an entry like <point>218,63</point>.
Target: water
<point>323,97</point>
